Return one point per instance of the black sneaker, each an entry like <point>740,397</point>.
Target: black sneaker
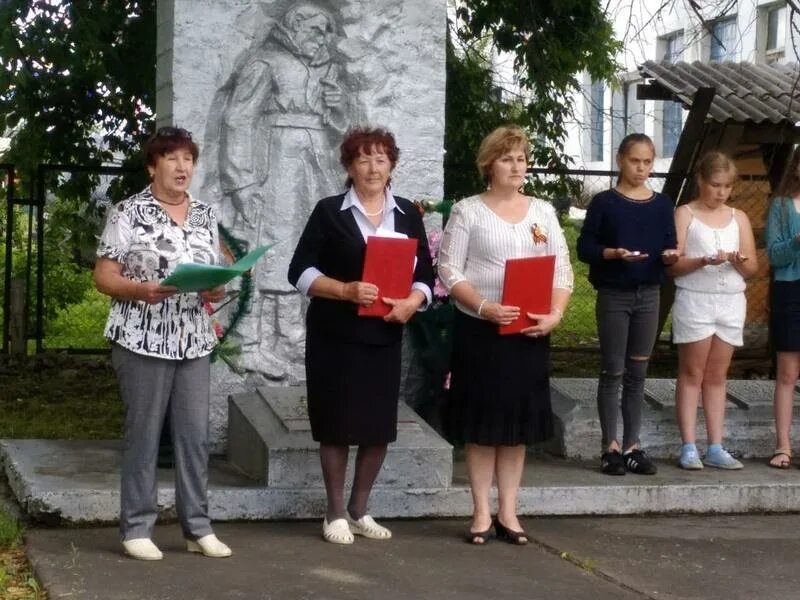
<point>637,462</point>
<point>612,463</point>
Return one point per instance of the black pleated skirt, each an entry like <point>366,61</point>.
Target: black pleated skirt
<point>500,386</point>
<point>784,315</point>
<point>352,390</point>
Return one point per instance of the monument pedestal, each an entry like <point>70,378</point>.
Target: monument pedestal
<point>269,439</point>
<point>749,421</point>
<point>268,88</point>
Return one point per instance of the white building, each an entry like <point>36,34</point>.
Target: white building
<point>759,31</point>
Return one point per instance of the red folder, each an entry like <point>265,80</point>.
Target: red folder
<point>389,264</point>
<point>528,283</point>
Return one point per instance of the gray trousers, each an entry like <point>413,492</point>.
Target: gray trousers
<point>627,322</point>
<point>149,387</point>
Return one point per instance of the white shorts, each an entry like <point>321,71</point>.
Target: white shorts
<point>699,315</point>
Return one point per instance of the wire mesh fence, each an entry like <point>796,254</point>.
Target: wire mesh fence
<point>578,330</point>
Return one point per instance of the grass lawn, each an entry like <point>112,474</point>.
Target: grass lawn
<point>60,397</point>
<point>578,327</point>
<point>16,580</point>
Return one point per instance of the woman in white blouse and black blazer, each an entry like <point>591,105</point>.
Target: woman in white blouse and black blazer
<point>500,390</point>
<point>353,362</point>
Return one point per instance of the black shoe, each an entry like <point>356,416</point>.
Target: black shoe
<point>518,538</point>
<point>612,463</point>
<point>478,538</point>
<point>637,462</point>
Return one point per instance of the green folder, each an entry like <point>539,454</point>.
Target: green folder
<point>196,277</point>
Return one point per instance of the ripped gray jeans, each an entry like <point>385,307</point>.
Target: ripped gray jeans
<point>627,320</point>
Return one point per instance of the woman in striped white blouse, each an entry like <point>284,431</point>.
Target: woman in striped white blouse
<point>500,390</point>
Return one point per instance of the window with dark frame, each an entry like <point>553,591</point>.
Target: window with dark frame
<point>776,31</point>
<point>673,47</point>
<point>672,113</point>
<point>723,40</point>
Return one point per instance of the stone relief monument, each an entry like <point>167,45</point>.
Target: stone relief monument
<point>278,119</point>
<point>268,88</point>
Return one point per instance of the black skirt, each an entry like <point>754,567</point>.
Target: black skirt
<point>352,390</point>
<point>500,386</point>
<point>784,315</point>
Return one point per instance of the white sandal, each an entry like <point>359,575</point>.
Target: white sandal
<point>210,546</point>
<point>367,527</point>
<point>142,549</point>
<point>337,531</point>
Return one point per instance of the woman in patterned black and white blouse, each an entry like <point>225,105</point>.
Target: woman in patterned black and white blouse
<point>500,385</point>
<point>161,342</point>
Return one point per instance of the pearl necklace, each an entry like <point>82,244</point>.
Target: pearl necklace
<point>375,214</point>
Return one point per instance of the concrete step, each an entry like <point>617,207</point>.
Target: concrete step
<point>77,482</point>
<point>269,440</point>
<point>749,423</point>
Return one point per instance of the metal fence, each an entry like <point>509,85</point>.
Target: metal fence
<point>74,226</point>
<point>51,261</point>
<point>18,223</point>
<point>8,218</point>
<point>48,253</point>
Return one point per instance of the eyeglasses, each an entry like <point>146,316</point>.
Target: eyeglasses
<point>173,132</point>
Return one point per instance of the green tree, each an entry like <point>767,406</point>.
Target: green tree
<point>474,106</point>
<point>552,41</point>
<point>73,71</point>
<point>77,80</point>
<point>77,83</point>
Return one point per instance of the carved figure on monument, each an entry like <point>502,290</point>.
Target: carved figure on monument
<point>282,113</point>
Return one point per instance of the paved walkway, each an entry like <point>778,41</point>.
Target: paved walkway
<point>621,558</point>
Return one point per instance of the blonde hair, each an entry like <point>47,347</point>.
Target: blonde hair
<point>711,163</point>
<point>497,143</point>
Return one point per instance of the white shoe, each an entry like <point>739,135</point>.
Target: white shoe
<point>337,531</point>
<point>209,546</point>
<point>142,549</point>
<point>722,459</point>
<point>367,527</point>
<point>690,460</point>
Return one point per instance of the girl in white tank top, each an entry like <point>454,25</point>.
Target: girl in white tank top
<point>704,240</point>
<point>717,254</point>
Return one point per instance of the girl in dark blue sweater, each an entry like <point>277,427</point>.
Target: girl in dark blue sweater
<point>627,239</point>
